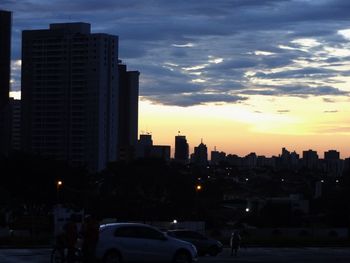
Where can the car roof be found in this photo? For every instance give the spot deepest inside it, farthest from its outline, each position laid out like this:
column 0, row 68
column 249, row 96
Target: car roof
column 121, row 224
column 182, row 230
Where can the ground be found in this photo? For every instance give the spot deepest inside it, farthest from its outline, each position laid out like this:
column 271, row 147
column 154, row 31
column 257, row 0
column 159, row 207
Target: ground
column 254, row 254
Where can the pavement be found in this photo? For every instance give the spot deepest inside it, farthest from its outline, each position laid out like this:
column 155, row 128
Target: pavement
column 245, row 255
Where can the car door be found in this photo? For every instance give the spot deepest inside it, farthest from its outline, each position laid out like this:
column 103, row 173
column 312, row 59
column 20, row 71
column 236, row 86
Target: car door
column 195, row 238
column 130, row 243
column 158, row 248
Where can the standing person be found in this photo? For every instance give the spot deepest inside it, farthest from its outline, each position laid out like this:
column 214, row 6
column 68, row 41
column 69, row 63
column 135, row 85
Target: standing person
column 235, row 242
column 71, row 237
column 90, row 233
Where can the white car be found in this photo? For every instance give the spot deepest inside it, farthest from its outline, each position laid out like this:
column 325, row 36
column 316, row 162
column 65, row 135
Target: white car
column 134, row 242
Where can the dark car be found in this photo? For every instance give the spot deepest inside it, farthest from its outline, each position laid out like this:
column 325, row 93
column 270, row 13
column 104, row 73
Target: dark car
column 204, row 245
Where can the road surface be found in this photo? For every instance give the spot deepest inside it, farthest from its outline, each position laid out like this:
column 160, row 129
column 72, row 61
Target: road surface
column 249, row 255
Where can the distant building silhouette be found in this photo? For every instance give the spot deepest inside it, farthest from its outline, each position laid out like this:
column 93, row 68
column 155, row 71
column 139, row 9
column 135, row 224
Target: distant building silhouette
column 217, row 157
column 288, row 160
column 332, row 155
column 143, row 147
column 200, row 155
column 5, row 68
column 333, row 165
column 160, row 152
column 71, row 95
column 128, row 112
column 146, row 149
column 310, row 159
column 250, row 160
column 181, row 149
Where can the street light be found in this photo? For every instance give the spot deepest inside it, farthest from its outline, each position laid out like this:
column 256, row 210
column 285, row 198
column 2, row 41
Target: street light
column 198, row 187
column 59, row 184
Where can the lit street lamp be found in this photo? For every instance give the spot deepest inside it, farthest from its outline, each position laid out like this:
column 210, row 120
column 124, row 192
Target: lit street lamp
column 59, row 184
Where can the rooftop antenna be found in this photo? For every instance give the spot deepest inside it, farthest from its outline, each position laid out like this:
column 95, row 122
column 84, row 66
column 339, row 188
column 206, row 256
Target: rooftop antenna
column 178, row 132
column 201, row 140
column 215, row 148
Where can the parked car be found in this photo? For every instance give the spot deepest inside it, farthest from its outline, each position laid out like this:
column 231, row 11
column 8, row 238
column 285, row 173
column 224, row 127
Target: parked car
column 134, row 242
column 204, row 244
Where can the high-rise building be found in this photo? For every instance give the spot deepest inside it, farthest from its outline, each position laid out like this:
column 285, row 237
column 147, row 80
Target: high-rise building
column 310, row 159
column 334, row 166
column 200, row 155
column 181, row 148
column 5, row 56
column 128, row 112
column 5, row 61
column 70, row 94
column 144, row 145
column 217, row 157
column 15, row 106
column 331, row 155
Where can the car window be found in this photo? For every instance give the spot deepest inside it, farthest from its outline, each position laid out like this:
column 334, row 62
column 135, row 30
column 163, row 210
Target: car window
column 150, row 233
column 126, row 231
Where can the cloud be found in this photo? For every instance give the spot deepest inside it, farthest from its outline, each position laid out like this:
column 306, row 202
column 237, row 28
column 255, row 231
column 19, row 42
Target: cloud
column 245, row 47
column 295, row 91
column 283, row 111
column 329, row 100
column 186, row 100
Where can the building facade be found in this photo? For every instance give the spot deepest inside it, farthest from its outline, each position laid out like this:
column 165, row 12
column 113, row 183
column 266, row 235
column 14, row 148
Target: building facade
column 5, row 55
column 200, row 155
column 70, row 94
column 181, row 149
column 5, row 65
column 128, row 112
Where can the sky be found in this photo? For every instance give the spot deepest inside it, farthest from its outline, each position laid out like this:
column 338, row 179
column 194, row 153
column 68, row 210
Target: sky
column 241, row 75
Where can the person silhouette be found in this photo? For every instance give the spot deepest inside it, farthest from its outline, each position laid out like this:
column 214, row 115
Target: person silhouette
column 90, row 233
column 235, row 242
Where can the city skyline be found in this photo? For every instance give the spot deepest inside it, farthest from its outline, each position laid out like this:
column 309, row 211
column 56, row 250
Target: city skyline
column 246, row 76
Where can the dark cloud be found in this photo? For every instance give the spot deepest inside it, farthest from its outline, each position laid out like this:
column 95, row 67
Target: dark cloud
column 283, row 111
column 299, row 73
column 295, row 91
column 186, row 100
column 230, row 30
column 328, row 100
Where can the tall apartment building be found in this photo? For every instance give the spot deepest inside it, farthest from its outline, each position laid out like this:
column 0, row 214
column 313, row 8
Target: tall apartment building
column 5, row 60
column 5, row 56
column 128, row 112
column 181, row 149
column 70, row 94
column 15, row 106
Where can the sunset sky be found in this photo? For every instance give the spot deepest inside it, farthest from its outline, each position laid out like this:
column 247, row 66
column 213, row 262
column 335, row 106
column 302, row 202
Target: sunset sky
column 243, row 75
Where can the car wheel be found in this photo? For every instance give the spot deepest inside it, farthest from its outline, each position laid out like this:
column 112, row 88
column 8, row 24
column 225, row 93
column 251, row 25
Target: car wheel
column 213, row 251
column 182, row 257
column 112, row 257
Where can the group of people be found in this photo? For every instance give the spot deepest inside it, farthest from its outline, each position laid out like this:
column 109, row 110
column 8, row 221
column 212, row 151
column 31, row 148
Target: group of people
column 88, row 233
